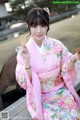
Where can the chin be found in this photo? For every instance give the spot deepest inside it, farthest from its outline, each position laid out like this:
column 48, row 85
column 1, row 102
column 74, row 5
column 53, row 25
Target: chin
column 39, row 38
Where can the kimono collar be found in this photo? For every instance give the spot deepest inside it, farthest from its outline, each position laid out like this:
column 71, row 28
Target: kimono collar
column 39, row 48
column 42, row 41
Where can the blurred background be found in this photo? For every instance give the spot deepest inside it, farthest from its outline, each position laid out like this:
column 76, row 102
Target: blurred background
column 64, row 25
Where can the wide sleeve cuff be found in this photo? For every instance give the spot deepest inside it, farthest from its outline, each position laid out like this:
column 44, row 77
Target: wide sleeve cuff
column 22, row 76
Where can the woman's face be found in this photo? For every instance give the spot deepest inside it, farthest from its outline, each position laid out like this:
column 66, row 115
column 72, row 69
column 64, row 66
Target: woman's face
column 38, row 32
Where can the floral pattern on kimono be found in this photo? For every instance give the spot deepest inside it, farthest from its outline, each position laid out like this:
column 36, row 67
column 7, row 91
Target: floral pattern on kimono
column 56, row 97
column 59, row 105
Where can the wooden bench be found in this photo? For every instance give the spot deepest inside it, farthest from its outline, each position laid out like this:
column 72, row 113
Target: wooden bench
column 18, row 110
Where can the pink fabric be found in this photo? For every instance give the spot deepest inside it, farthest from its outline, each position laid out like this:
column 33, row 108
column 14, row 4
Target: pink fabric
column 69, row 84
column 48, row 75
column 53, row 61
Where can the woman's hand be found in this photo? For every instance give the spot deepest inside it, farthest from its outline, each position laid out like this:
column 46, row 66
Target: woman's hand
column 25, row 54
column 76, row 56
column 73, row 60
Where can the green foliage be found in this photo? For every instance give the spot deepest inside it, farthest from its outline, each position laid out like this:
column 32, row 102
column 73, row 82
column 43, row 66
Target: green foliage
column 17, row 6
column 45, row 3
column 55, row 8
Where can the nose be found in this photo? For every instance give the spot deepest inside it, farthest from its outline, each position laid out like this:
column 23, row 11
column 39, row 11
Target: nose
column 38, row 29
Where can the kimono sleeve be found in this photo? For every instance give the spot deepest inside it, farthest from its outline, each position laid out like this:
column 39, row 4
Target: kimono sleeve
column 21, row 73
column 68, row 76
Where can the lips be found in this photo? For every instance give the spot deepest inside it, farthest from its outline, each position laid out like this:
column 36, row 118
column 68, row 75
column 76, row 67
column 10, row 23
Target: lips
column 38, row 35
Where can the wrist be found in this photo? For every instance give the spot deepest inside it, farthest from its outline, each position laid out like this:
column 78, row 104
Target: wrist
column 27, row 63
column 28, row 67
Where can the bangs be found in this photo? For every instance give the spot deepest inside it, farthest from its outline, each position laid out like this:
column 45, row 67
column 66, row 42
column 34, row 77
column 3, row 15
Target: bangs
column 37, row 20
column 37, row 16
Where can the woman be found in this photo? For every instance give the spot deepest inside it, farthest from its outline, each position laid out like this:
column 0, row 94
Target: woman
column 46, row 70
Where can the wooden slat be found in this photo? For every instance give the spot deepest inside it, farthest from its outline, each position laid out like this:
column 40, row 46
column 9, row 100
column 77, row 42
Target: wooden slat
column 17, row 108
column 24, row 115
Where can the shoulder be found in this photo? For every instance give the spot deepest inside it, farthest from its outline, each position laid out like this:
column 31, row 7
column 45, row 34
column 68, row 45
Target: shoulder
column 58, row 46
column 56, row 43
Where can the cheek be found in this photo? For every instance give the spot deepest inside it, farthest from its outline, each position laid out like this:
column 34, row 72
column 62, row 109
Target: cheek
column 45, row 30
column 32, row 31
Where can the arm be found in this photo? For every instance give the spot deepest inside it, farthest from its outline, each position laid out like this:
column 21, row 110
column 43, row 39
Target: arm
column 28, row 70
column 22, row 75
column 73, row 60
column 26, row 57
column 68, row 67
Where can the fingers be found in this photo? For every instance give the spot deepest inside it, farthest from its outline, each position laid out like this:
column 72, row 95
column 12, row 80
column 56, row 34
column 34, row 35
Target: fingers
column 78, row 53
column 78, row 50
column 23, row 49
column 77, row 56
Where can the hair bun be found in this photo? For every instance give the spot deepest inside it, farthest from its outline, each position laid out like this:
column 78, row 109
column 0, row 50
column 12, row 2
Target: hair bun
column 47, row 10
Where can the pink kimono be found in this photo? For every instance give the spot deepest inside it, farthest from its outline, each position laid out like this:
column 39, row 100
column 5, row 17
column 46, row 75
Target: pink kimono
column 51, row 95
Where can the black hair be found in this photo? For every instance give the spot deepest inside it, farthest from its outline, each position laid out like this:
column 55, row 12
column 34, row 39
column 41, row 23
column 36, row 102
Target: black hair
column 37, row 16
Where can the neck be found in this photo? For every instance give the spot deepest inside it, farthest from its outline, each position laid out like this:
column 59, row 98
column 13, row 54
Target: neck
column 39, row 43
